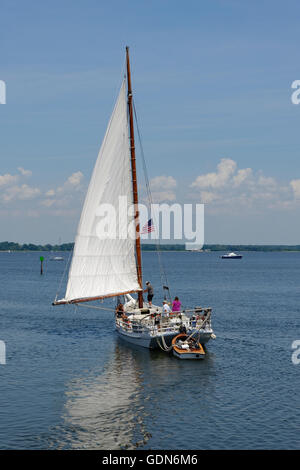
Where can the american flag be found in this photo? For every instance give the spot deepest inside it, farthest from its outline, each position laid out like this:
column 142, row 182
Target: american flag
column 148, row 227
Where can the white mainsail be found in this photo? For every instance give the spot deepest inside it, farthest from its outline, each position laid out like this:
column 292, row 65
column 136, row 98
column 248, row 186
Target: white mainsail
column 103, row 267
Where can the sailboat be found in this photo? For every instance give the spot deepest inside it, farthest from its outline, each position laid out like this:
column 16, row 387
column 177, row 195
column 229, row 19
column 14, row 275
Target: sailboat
column 104, row 266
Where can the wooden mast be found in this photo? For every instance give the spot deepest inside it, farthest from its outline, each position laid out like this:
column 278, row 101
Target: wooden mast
column 134, row 183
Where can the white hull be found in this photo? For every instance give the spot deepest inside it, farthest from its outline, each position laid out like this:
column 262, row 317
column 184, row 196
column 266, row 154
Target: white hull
column 144, row 340
column 231, row 256
column 189, row 356
column 150, row 342
column 139, row 327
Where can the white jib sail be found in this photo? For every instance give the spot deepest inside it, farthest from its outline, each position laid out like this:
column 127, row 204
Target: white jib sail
column 106, row 266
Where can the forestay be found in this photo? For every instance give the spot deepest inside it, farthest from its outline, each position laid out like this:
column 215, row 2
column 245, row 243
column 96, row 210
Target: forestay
column 105, row 266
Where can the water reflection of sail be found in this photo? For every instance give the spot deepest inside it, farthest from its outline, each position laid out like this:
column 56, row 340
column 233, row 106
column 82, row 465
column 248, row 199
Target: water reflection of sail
column 136, row 393
column 106, row 412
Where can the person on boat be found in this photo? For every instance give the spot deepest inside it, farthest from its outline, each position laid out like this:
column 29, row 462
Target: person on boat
column 156, row 319
column 120, row 310
column 176, row 305
column 150, row 293
column 166, row 309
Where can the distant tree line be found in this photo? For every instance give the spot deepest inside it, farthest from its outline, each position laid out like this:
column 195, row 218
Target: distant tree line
column 12, row 246
column 162, row 247
column 252, row 247
column 151, row 247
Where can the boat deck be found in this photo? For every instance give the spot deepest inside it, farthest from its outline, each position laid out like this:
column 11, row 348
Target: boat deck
column 148, row 326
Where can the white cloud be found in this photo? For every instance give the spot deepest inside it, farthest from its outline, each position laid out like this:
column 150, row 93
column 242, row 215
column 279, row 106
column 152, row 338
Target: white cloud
column 50, row 193
column 208, row 196
column 75, row 178
column 22, row 192
column 162, row 188
column 163, row 182
column 8, row 179
column 11, row 191
column 267, row 181
column 33, row 201
column 241, row 176
column 230, row 187
column 66, row 195
column 295, row 184
column 24, row 172
column 72, row 183
column 163, row 196
column 48, row 202
column 219, row 179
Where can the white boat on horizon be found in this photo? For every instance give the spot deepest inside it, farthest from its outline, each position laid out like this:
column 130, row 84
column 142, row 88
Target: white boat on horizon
column 231, row 255
column 103, row 268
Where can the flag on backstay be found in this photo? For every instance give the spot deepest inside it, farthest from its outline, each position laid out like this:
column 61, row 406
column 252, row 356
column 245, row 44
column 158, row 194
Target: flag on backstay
column 148, row 227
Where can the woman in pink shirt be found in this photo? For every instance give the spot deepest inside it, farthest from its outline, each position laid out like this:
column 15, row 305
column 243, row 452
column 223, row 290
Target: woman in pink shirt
column 176, row 305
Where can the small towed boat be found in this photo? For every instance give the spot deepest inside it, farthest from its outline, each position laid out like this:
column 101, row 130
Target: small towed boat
column 186, row 347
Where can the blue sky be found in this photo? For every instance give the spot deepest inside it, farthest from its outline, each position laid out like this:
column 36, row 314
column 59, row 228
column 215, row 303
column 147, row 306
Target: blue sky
column 212, row 82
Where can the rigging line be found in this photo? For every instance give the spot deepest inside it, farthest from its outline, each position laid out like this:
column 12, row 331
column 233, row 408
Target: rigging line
column 199, row 327
column 167, row 348
column 96, row 307
column 163, row 346
column 163, row 275
column 159, row 344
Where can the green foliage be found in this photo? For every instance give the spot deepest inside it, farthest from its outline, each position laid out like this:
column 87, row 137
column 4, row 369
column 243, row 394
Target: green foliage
column 12, row 246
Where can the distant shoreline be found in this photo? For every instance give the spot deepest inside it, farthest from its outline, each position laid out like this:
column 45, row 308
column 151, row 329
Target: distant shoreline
column 16, row 247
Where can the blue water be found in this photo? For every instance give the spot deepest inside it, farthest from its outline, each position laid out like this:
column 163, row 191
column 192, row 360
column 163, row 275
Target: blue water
column 70, row 383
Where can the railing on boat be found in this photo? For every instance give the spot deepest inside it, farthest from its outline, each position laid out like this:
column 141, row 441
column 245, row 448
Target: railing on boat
column 132, row 326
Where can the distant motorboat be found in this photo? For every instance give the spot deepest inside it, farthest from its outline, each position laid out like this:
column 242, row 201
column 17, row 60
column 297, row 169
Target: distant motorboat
column 57, row 258
column 231, row 255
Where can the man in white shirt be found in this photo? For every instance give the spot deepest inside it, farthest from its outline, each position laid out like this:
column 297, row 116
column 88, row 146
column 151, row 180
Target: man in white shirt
column 166, row 309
